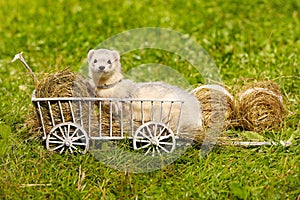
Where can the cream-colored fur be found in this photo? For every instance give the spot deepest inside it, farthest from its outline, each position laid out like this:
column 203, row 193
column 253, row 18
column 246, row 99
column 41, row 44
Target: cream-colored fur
column 107, row 76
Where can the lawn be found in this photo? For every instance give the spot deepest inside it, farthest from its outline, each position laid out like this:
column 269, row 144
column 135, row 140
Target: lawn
column 247, row 40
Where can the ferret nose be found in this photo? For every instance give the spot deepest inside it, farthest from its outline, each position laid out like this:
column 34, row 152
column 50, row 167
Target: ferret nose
column 102, row 68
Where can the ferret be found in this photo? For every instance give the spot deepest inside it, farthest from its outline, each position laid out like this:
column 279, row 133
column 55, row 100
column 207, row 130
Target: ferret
column 107, row 76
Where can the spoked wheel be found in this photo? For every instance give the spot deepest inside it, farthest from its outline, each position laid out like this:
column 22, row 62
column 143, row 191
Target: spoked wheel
column 155, row 138
column 67, row 137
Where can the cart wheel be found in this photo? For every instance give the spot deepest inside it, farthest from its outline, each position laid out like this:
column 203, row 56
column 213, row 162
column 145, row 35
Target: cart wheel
column 67, row 136
column 154, row 138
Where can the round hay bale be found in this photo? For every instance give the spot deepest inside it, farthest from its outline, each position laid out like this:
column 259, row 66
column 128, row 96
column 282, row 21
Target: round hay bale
column 70, row 84
column 217, row 105
column 260, row 106
column 61, row 84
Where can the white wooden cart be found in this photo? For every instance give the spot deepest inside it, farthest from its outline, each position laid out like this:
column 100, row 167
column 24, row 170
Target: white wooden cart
column 97, row 119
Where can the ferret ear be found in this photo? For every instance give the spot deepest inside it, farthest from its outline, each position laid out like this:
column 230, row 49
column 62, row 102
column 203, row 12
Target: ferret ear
column 90, row 54
column 116, row 55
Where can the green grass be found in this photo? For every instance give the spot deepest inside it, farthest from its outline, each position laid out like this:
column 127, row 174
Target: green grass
column 248, row 40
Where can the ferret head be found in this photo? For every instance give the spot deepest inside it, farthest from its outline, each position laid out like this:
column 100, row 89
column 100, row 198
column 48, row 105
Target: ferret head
column 103, row 62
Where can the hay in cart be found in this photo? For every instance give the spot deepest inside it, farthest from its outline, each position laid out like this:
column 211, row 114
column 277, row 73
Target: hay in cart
column 87, row 114
column 62, row 84
column 260, row 106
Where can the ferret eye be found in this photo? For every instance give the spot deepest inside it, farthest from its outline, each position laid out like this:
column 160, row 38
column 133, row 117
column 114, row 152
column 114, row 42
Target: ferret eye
column 95, row 61
column 109, row 62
